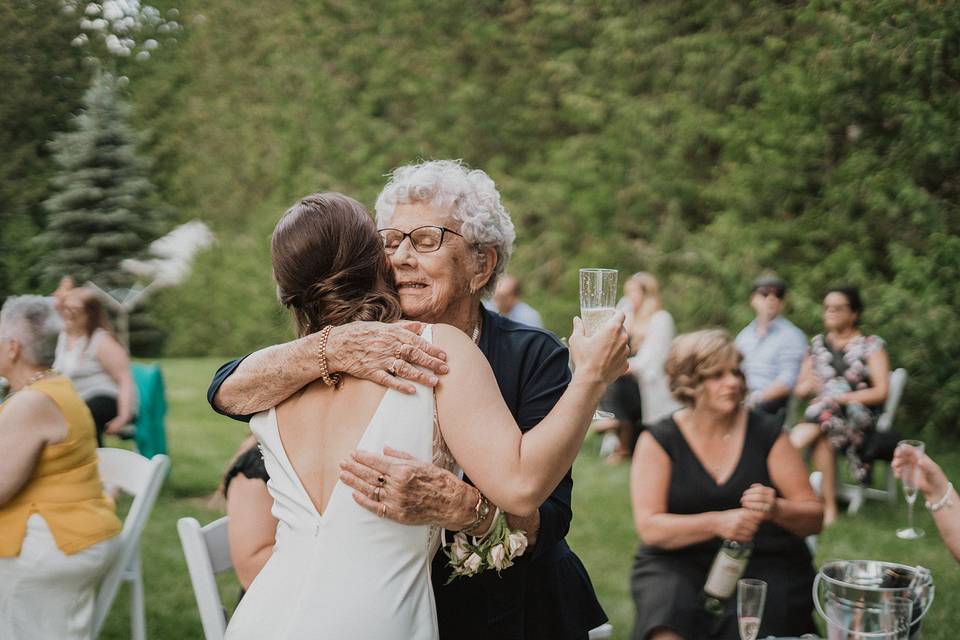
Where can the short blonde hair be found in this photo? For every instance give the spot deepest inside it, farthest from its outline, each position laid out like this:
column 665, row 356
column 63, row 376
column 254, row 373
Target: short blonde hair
column 696, row 356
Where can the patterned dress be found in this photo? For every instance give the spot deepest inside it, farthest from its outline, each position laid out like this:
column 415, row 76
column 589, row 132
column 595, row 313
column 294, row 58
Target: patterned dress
column 843, row 371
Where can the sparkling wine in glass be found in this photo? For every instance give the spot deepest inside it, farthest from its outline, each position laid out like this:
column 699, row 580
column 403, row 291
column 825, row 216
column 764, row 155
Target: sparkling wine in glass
column 751, row 596
column 598, row 297
column 910, row 477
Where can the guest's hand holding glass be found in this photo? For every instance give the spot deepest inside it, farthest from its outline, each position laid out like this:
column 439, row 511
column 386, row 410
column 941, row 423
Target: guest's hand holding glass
column 929, row 477
column 910, row 476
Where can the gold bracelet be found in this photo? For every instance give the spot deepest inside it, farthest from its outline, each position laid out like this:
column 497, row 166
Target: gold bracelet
column 481, row 511
column 328, row 379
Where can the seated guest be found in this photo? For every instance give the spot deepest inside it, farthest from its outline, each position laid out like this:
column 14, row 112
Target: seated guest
column 96, row 363
column 506, row 301
column 715, row 471
column 252, row 528
column 642, row 397
column 941, row 498
column 57, row 528
column 772, row 348
column 847, row 373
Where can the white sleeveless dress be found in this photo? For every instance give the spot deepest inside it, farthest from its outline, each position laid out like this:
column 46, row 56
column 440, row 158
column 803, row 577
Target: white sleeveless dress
column 346, row 574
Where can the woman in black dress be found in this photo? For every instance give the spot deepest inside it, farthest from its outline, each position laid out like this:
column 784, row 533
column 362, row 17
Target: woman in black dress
column 714, row 471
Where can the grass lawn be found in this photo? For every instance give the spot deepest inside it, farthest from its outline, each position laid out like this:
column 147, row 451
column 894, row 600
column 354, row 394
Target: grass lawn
column 602, row 533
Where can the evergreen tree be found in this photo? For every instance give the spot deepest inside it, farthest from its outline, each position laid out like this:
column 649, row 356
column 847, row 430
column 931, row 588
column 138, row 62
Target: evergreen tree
column 104, row 208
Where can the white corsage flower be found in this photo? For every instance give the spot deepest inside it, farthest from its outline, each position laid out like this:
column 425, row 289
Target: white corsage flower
column 518, row 544
column 472, row 564
column 499, row 559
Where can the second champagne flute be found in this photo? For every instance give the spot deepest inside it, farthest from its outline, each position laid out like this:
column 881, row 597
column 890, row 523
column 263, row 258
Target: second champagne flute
column 598, row 297
column 751, row 597
column 909, row 478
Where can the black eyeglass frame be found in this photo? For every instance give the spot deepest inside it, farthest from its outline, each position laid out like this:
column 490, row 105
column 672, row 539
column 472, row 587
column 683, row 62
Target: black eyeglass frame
column 409, row 234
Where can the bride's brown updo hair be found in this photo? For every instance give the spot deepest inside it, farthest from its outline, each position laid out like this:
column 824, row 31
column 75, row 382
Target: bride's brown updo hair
column 329, row 264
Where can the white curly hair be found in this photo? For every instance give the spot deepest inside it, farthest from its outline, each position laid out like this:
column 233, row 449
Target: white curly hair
column 31, row 321
column 469, row 195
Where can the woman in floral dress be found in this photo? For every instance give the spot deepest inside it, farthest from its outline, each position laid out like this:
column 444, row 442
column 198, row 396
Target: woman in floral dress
column 846, row 373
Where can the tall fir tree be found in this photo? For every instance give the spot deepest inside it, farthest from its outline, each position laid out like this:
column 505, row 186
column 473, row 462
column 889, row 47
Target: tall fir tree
column 104, row 208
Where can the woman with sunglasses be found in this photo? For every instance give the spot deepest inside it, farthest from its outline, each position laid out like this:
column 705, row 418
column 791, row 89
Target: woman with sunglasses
column 96, row 363
column 847, row 374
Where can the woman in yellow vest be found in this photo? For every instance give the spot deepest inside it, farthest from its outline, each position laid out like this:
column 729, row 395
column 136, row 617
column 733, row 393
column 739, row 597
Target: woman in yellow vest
column 57, row 527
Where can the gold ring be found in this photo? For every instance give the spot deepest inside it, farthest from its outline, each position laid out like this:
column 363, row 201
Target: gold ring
column 397, row 354
column 381, row 479
column 376, row 494
column 383, row 510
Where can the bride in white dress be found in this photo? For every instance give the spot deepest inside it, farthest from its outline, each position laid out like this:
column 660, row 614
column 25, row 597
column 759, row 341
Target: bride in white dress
column 338, row 571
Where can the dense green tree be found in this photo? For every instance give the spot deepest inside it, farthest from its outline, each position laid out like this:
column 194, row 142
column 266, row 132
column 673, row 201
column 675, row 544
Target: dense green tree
column 703, row 140
column 104, row 208
column 43, row 79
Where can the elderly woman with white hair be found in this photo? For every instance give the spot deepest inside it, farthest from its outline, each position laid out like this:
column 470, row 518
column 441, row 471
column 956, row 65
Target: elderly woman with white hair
column 57, row 527
column 447, row 237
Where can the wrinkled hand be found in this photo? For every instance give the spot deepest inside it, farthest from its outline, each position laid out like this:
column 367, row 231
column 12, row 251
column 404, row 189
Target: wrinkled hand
column 605, row 353
column 929, row 476
column 761, row 499
column 738, row 524
column 369, row 350
column 413, row 491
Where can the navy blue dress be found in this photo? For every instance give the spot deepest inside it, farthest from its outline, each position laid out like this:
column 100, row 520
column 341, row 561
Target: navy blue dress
column 667, row 584
column 547, row 594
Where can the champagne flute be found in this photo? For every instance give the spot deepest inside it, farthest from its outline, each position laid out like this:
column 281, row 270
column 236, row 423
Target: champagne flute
column 598, row 297
column 751, row 596
column 910, row 478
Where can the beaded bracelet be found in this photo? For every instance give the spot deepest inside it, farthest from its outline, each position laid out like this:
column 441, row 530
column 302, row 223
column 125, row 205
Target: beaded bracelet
column 328, row 379
column 942, row 502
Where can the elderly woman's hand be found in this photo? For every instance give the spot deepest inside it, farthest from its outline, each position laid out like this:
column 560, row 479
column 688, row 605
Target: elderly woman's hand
column 603, row 354
column 760, row 499
column 737, row 524
column 410, row 491
column 385, row 354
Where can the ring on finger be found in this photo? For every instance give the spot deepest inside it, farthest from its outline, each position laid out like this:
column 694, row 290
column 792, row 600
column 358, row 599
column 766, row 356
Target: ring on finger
column 383, row 510
column 381, row 479
column 376, row 493
column 399, row 352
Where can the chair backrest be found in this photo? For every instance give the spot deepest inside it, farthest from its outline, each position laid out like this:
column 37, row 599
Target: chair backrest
column 142, row 479
column 898, row 379
column 207, row 551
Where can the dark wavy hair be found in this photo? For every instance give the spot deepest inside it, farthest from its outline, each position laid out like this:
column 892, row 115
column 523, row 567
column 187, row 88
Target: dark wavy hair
column 852, row 294
column 329, row 264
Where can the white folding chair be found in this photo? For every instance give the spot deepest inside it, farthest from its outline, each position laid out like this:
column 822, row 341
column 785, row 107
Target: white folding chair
column 207, row 551
column 602, row 632
column 856, row 494
column 141, row 478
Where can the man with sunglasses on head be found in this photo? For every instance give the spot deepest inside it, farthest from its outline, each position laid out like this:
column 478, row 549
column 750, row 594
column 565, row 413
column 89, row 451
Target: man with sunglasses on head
column 772, row 348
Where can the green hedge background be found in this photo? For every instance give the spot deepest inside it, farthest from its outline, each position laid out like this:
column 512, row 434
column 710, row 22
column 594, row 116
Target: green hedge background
column 703, row 140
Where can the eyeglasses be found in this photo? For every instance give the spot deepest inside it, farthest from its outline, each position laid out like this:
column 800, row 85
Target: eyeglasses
column 426, row 239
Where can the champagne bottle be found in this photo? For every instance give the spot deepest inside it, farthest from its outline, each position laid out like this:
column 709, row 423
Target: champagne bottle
column 727, row 568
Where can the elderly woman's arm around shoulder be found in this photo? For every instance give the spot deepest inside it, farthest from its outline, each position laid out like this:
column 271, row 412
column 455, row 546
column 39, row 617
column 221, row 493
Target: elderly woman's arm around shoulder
column 649, row 486
column 791, row 502
column 29, row 422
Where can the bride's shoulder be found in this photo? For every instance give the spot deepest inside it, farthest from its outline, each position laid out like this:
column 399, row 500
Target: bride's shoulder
column 447, row 335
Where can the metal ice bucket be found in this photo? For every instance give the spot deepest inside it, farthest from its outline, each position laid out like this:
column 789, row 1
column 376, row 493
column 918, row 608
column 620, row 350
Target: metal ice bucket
column 853, row 598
